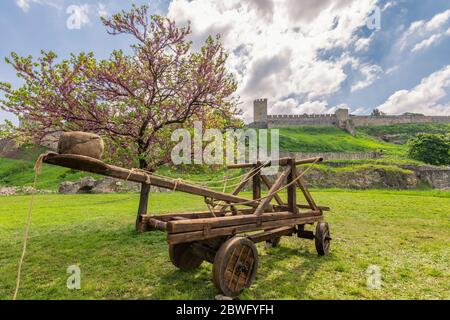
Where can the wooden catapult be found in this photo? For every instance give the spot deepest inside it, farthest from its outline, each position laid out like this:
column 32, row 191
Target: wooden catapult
column 226, row 234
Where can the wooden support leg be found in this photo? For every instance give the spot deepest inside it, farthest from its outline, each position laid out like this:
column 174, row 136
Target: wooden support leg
column 257, row 185
column 301, row 184
column 143, row 204
column 292, row 189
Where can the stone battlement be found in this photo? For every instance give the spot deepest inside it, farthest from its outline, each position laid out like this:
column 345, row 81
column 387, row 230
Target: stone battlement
column 341, row 119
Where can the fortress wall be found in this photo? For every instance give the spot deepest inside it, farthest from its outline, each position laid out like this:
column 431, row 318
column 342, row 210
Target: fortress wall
column 298, row 120
column 361, row 121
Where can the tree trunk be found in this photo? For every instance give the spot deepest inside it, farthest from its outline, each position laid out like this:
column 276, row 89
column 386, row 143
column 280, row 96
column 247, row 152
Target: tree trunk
column 143, row 200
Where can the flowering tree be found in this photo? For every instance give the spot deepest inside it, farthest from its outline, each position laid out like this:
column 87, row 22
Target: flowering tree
column 134, row 101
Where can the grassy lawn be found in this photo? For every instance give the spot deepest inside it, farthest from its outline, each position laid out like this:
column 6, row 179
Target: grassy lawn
column 405, row 233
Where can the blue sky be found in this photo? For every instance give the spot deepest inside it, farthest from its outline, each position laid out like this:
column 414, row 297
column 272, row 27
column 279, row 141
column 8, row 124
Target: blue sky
column 305, row 56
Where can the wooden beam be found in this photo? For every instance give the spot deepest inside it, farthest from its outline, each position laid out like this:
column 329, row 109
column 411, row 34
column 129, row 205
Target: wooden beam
column 268, row 184
column 277, row 184
column 245, row 179
column 256, row 183
column 301, row 184
column 180, row 226
column 174, row 238
column 88, row 164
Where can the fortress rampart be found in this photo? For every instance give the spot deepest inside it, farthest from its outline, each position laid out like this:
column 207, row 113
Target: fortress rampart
column 341, row 119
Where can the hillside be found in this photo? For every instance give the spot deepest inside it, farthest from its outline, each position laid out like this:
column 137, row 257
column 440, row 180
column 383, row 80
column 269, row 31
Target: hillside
column 300, row 139
column 331, row 139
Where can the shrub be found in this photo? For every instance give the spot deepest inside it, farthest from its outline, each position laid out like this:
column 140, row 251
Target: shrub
column 430, row 148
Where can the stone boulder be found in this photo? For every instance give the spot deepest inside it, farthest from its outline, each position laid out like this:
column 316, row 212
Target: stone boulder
column 111, row 185
column 85, row 185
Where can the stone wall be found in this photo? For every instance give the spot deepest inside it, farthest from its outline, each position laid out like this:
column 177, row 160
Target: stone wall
column 340, row 119
column 362, row 121
column 274, row 121
column 332, row 155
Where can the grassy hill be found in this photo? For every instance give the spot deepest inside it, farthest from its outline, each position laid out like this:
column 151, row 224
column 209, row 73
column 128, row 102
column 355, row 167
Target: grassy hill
column 299, row 139
column 20, row 173
column 331, row 139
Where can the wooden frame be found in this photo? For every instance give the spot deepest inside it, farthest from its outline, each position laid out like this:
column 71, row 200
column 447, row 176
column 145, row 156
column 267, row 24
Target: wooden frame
column 197, row 236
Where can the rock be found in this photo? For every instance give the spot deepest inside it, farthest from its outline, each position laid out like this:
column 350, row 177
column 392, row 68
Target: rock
column 85, row 185
column 8, row 191
column 111, row 185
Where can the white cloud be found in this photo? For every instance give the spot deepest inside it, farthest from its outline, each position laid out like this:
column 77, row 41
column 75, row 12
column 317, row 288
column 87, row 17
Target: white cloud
column 422, row 34
column 275, row 46
column 424, row 98
column 370, row 74
column 26, row 4
column 434, row 39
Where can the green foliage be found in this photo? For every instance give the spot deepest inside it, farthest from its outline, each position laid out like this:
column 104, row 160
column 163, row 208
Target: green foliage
column 405, row 233
column 430, row 148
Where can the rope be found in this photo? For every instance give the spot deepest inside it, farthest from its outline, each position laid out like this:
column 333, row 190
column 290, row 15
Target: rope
column 276, row 191
column 37, row 171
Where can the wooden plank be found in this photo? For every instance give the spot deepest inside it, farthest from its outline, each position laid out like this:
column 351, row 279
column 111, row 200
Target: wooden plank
column 281, row 162
column 174, row 238
column 277, row 184
column 212, row 223
column 88, row 164
column 270, row 234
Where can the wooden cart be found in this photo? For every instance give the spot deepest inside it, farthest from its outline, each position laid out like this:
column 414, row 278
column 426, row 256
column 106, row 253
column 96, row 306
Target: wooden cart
column 226, row 234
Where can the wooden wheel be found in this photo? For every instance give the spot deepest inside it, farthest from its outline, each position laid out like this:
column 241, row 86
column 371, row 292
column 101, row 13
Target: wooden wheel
column 235, row 266
column 183, row 257
column 322, row 238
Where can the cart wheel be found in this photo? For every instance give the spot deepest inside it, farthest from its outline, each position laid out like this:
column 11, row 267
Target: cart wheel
column 322, row 238
column 273, row 243
column 183, row 257
column 235, row 266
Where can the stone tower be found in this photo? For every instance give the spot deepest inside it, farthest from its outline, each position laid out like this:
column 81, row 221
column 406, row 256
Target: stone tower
column 260, row 111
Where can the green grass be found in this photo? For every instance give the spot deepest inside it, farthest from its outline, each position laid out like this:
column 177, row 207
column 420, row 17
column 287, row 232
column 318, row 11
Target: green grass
column 20, row 173
column 331, row 139
column 405, row 233
column 407, row 129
